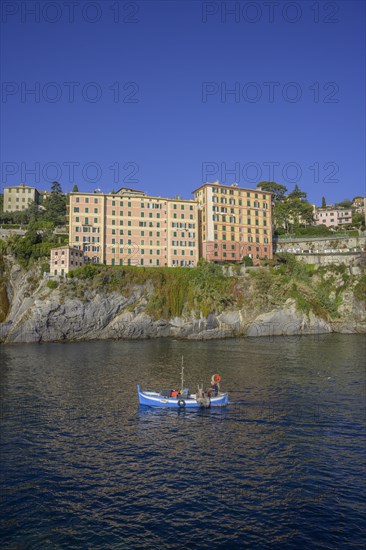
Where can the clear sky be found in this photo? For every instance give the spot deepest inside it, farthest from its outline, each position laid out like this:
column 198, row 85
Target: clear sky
column 137, row 93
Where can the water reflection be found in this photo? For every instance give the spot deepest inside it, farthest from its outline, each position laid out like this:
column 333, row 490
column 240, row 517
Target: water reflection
column 86, row 466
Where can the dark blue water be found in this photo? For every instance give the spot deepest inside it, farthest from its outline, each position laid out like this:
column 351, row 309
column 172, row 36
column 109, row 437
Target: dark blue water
column 83, row 467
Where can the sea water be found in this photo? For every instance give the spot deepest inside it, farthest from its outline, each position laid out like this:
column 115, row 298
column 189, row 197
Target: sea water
column 83, row 466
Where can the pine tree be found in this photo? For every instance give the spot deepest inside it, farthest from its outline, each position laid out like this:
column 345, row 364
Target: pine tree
column 277, row 189
column 56, row 187
column 297, row 193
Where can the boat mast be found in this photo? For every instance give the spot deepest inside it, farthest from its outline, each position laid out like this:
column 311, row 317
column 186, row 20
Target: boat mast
column 182, row 375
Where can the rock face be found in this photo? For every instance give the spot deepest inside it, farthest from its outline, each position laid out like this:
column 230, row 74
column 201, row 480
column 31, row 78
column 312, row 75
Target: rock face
column 44, row 315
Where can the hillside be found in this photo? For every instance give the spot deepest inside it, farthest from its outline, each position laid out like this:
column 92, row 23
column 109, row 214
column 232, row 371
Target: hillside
column 104, row 302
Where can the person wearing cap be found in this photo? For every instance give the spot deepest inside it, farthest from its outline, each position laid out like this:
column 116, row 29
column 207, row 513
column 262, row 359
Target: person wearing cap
column 215, row 385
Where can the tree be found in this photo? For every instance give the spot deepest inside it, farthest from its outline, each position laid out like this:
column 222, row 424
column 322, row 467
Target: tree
column 75, row 189
column 297, row 193
column 291, row 213
column 56, row 187
column 281, row 215
column 1, row 202
column 277, row 189
column 301, row 212
column 324, row 202
column 358, row 219
column 346, row 203
column 55, row 208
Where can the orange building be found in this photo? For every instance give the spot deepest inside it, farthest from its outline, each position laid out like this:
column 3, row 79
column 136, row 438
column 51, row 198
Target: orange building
column 131, row 228
column 234, row 222
column 64, row 259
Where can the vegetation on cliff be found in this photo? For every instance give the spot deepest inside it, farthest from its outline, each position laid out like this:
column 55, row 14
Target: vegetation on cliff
column 4, row 301
column 35, row 245
column 172, row 292
column 175, row 292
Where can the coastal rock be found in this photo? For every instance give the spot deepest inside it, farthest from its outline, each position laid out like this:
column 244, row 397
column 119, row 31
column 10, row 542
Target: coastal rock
column 287, row 322
column 36, row 313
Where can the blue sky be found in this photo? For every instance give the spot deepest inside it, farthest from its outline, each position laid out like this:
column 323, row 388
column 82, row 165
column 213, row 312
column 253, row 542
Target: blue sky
column 142, row 97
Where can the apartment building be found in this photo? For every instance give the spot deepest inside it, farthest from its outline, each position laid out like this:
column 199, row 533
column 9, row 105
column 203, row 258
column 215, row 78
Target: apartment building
column 19, row 197
column 359, row 204
column 43, row 196
column 333, row 217
column 130, row 227
column 234, row 222
column 64, row 259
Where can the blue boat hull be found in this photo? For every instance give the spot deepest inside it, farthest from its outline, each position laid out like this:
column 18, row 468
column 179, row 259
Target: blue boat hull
column 153, row 399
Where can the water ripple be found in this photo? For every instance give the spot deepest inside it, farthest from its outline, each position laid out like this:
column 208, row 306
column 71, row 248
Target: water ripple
column 283, row 465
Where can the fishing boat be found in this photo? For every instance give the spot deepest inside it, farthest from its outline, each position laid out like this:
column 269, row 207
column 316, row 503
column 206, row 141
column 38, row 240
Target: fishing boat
column 183, row 398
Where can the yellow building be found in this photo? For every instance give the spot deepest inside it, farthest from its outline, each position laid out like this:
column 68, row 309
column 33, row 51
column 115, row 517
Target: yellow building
column 131, row 228
column 19, row 197
column 234, row 222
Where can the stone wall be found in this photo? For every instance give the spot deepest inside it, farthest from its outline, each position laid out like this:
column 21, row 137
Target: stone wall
column 319, row 245
column 351, row 259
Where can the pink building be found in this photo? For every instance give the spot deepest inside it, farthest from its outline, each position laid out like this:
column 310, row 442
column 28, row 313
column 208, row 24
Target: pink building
column 332, row 217
column 64, row 259
column 131, row 228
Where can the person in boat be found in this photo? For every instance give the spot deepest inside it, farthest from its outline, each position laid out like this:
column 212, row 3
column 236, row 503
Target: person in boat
column 215, row 385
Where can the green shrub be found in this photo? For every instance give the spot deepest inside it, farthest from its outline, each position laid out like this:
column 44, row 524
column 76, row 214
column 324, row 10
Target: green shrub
column 10, row 225
column 52, row 284
column 312, row 231
column 247, row 261
column 42, row 225
column 87, row 271
column 360, row 289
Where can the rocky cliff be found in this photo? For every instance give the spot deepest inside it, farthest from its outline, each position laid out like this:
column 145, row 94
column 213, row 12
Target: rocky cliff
column 31, row 311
